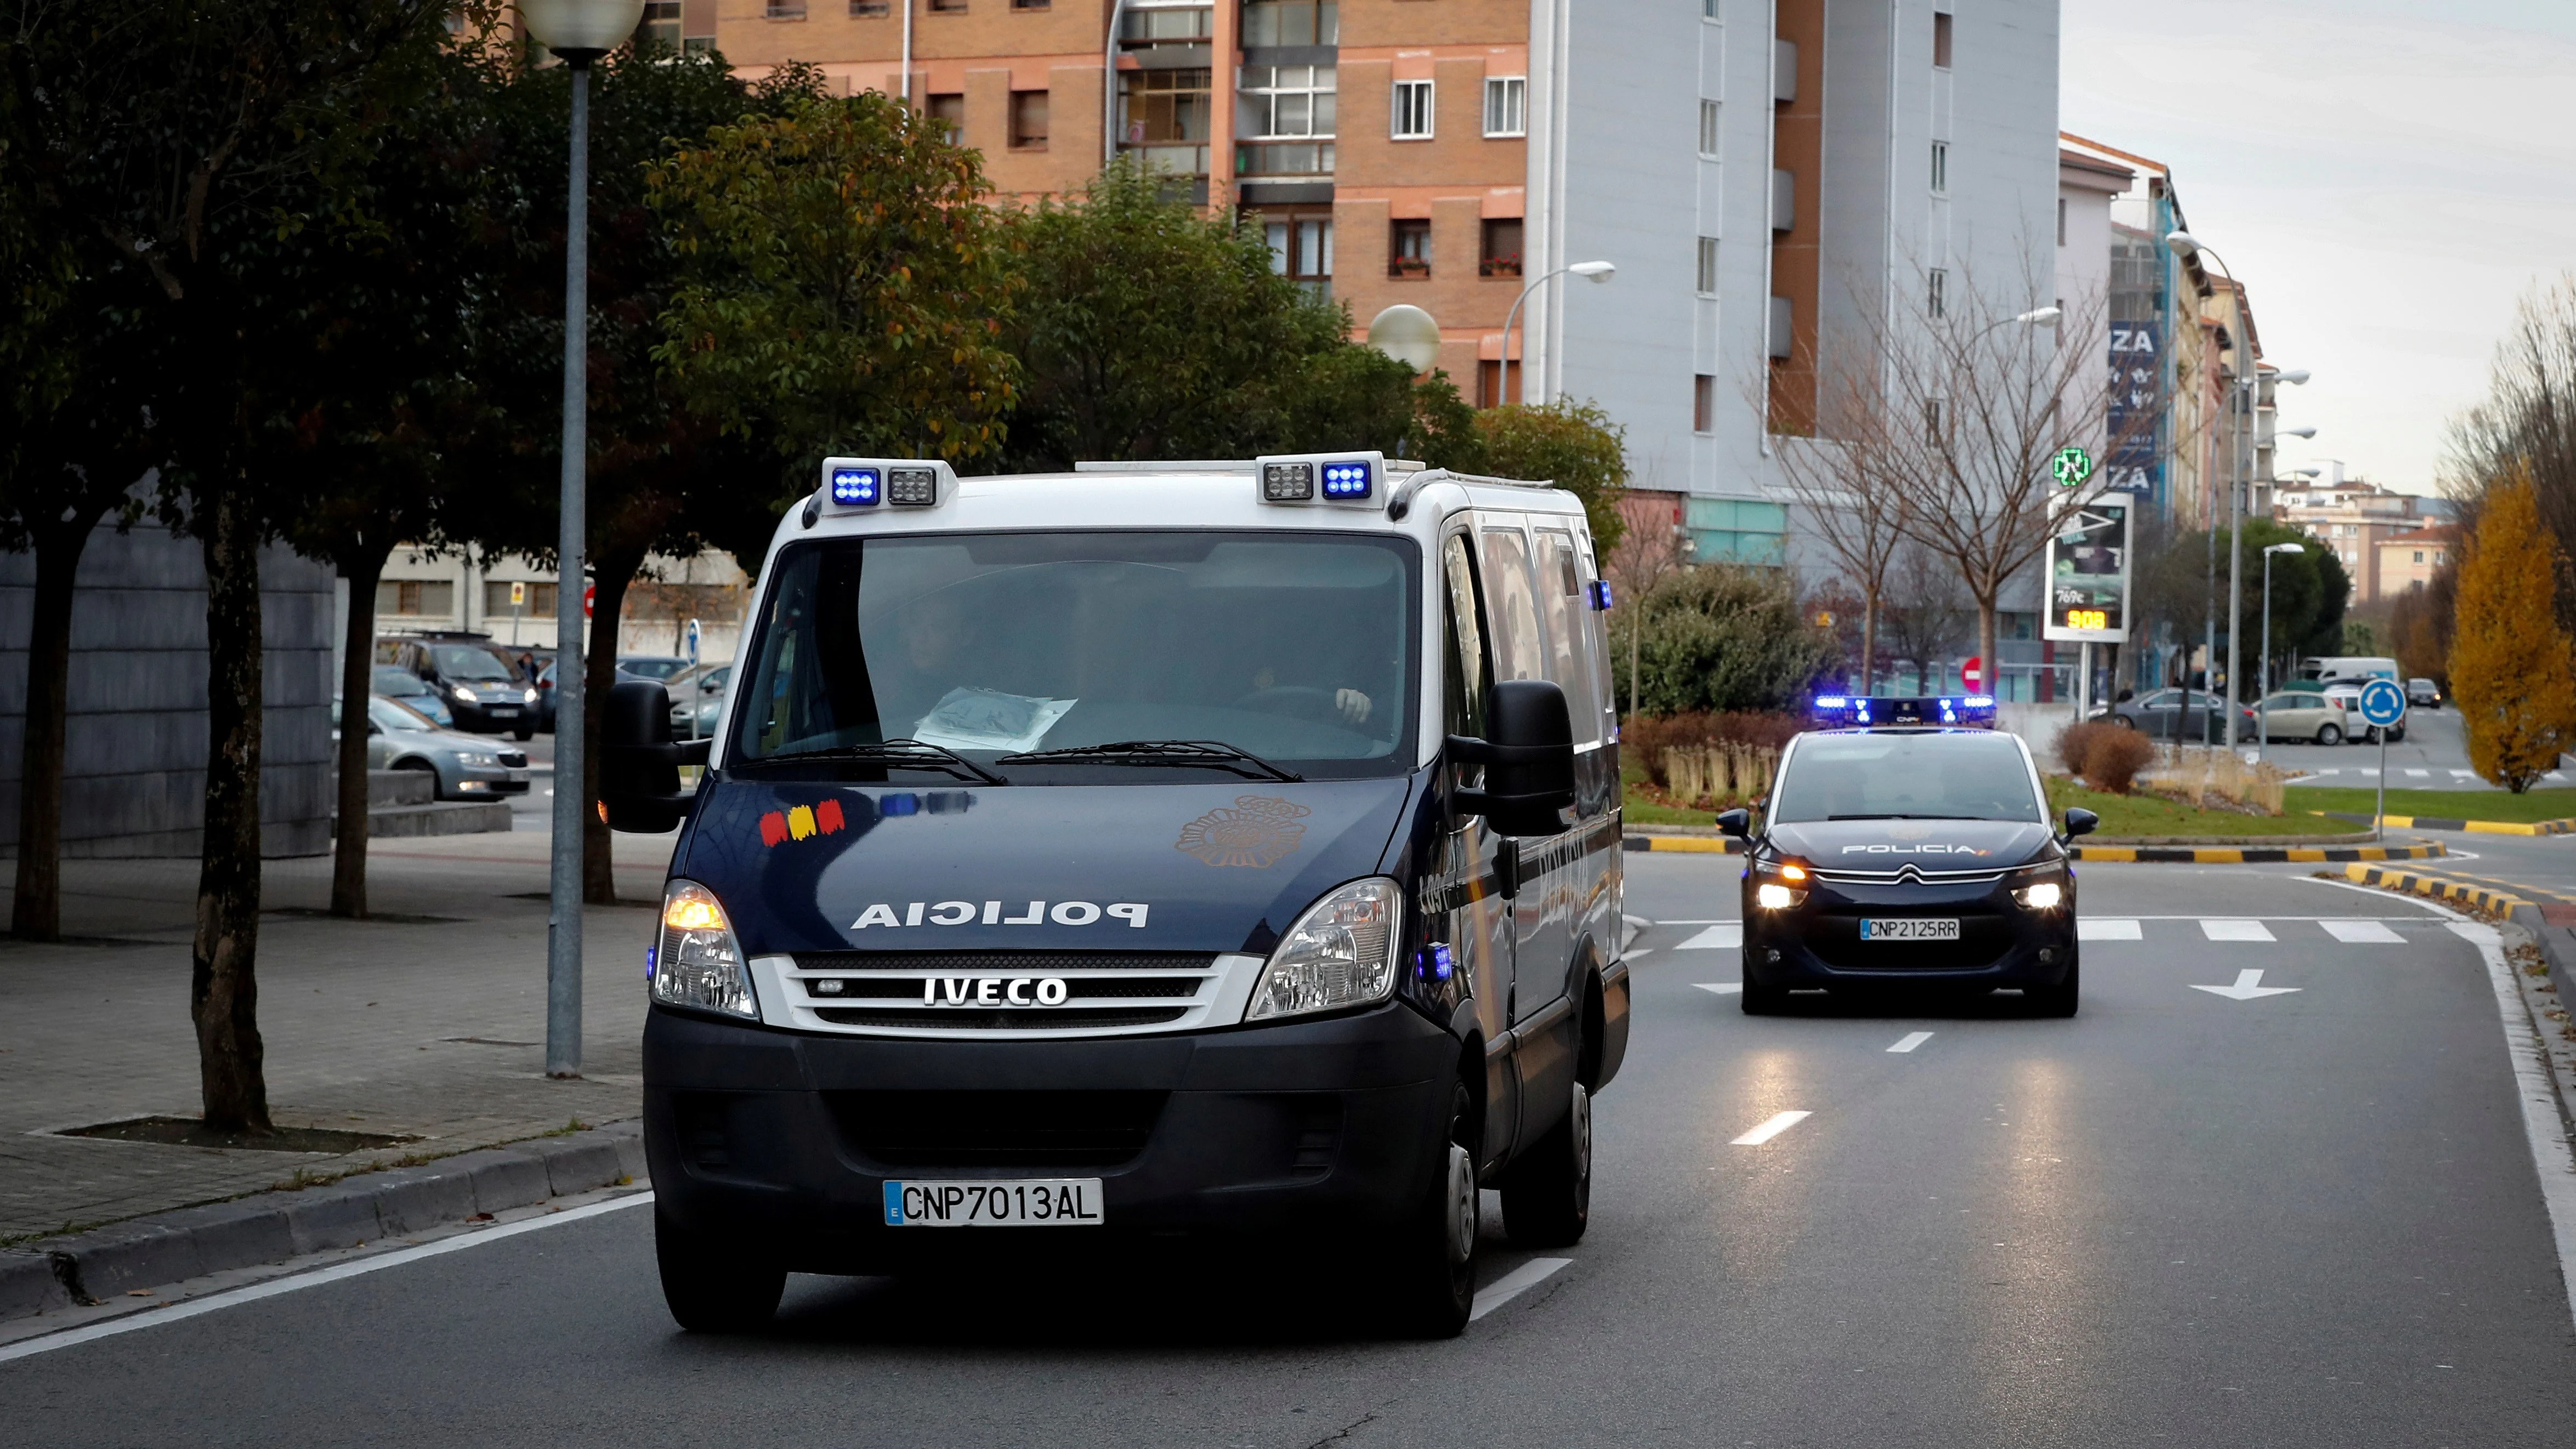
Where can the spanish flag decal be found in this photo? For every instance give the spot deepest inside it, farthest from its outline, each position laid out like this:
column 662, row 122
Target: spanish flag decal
column 801, row 822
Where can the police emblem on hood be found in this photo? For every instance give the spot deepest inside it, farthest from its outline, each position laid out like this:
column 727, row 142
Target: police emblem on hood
column 1256, row 831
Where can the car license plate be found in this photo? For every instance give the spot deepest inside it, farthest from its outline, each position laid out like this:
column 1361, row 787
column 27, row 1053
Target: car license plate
column 501, row 711
column 1908, row 928
column 1042, row 1202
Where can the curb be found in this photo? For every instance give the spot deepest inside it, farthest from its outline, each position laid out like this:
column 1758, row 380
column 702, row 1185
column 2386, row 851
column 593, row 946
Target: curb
column 1695, row 844
column 268, row 1227
column 2424, row 885
column 2546, row 1003
column 2252, row 854
column 2474, row 827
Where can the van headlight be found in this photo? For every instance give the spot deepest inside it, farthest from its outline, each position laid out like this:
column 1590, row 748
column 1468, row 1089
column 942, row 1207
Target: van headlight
column 698, row 963
column 1340, row 953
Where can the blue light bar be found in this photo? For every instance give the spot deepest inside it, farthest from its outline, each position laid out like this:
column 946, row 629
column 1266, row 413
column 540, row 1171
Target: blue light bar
column 856, row 487
column 1860, row 711
column 1346, row 480
column 1601, row 595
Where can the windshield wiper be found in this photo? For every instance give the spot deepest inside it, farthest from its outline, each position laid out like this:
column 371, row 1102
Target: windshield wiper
column 909, row 754
column 1212, row 754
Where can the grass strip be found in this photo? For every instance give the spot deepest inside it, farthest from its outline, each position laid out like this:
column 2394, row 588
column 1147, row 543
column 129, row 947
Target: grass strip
column 2524, row 809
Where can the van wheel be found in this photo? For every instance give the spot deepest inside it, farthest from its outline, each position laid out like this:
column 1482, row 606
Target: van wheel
column 1431, row 1282
column 2329, row 735
column 714, row 1287
column 1547, row 1198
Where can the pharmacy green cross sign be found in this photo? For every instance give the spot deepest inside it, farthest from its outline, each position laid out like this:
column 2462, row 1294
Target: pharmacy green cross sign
column 2072, row 466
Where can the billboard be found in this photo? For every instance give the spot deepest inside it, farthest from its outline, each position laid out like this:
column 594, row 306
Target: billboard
column 2088, row 573
column 2135, row 464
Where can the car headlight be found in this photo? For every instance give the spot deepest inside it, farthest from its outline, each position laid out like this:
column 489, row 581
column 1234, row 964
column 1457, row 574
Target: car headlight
column 1340, row 953
column 529, row 695
column 465, row 694
column 698, row 962
column 2041, row 895
column 1778, row 884
column 479, row 761
column 1772, row 896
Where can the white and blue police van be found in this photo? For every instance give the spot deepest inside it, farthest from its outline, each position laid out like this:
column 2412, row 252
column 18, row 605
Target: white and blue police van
column 1146, row 859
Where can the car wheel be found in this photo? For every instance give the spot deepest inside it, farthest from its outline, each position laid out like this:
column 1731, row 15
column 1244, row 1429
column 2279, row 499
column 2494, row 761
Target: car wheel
column 714, row 1286
column 2058, row 1000
column 1431, row 1283
column 1547, row 1197
column 2329, row 734
column 1760, row 1000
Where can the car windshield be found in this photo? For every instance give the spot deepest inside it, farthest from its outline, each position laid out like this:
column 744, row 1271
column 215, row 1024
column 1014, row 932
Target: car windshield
column 1963, row 776
column 464, row 661
column 395, row 680
column 1296, row 648
column 387, row 715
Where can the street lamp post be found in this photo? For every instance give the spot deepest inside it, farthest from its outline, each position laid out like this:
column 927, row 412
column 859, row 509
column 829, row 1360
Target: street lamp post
column 1597, row 271
column 2263, row 698
column 578, row 32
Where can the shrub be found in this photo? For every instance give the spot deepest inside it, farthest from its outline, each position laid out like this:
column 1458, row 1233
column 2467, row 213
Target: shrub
column 1646, row 738
column 2074, row 740
column 1719, row 637
column 2114, row 756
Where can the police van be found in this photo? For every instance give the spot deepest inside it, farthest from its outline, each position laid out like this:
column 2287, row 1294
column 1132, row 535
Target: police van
column 1210, row 854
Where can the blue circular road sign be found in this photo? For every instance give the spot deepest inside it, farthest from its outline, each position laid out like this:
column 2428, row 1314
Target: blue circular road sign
column 2382, row 702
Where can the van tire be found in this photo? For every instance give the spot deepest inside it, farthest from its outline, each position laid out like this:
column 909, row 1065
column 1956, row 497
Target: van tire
column 1430, row 1282
column 1547, row 1196
column 712, row 1286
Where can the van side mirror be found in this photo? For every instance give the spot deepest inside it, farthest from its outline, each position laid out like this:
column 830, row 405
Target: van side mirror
column 639, row 766
column 2080, row 821
column 1737, row 823
column 1528, row 756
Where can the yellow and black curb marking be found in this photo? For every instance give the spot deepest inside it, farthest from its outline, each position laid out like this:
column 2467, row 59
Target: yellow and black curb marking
column 2474, row 827
column 1697, row 844
column 2253, row 854
column 2481, row 897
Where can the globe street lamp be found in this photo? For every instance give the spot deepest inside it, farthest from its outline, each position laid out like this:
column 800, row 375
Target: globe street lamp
column 578, row 32
column 1597, row 271
column 2263, row 706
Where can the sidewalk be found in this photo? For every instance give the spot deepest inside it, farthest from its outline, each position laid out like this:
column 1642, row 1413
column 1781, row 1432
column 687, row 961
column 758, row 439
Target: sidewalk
column 427, row 1023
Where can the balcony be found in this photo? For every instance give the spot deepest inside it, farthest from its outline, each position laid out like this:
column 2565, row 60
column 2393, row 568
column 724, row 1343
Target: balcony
column 1291, row 159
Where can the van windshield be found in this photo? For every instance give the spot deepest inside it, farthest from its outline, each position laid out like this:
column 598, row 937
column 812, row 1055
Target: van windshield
column 1295, row 648
column 1949, row 776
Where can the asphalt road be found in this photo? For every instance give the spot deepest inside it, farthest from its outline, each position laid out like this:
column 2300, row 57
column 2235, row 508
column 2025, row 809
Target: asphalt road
column 2309, row 1218
column 2433, row 756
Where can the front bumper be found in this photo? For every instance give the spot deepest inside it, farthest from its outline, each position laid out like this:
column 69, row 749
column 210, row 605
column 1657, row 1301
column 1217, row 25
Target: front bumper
column 1817, row 942
column 1319, row 1129
column 492, row 717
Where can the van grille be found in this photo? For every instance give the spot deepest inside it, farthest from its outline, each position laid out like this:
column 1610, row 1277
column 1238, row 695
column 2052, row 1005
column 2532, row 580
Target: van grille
column 1012, row 1018
column 944, row 993
column 1003, row 963
column 997, row 1129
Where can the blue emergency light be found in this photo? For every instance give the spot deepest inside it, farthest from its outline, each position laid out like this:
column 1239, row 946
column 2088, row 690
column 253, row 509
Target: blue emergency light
column 1601, row 595
column 1347, row 480
column 856, row 487
column 1861, row 711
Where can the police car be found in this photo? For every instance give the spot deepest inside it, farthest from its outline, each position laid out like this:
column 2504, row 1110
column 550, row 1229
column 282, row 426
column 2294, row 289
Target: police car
column 1907, row 842
column 1213, row 855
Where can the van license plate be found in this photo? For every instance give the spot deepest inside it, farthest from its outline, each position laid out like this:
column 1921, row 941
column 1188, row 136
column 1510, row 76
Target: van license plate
column 1041, row 1202
column 1908, row 928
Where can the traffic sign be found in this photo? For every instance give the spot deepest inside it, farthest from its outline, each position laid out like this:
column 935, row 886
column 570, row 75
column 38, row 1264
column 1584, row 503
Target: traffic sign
column 589, row 593
column 2382, row 702
column 2071, row 467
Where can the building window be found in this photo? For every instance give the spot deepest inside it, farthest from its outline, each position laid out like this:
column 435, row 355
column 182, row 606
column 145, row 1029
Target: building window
column 1029, row 4
column 784, row 10
column 1941, row 40
column 1932, row 421
column 1288, row 101
column 1028, row 120
column 1703, row 403
column 1708, row 129
column 662, row 23
column 1502, row 248
column 1936, row 296
column 950, row 112
column 1412, row 114
column 1147, row 26
column 870, row 9
column 2061, row 221
column 1708, row 10
column 418, row 598
column 1940, row 166
column 2441, row 556
column 1295, row 22
column 1408, row 249
column 1164, row 113
column 539, row 603
column 1707, row 266
column 1506, row 105
column 947, row 7
column 2419, row 555
column 1301, row 247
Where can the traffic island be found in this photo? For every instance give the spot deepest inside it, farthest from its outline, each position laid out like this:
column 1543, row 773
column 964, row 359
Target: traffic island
column 1687, row 844
column 2484, row 898
column 2177, row 854
column 2472, row 827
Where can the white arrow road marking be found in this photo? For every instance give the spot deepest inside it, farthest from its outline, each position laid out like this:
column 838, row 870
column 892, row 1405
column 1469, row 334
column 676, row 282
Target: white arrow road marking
column 2363, row 933
column 1910, row 1041
column 1771, row 1129
column 1726, row 935
column 2249, row 984
column 1515, row 1283
column 2090, row 928
column 1722, row 988
column 2235, row 931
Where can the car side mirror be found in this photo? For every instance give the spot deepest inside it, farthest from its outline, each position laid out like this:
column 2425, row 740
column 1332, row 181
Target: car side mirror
column 639, row 766
column 1528, row 755
column 1737, row 823
column 2080, row 821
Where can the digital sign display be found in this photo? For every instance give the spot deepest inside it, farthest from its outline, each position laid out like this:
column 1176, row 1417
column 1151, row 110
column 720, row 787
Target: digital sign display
column 2088, row 574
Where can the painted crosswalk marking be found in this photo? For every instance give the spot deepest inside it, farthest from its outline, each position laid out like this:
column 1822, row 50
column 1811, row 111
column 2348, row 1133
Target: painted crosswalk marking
column 1720, row 988
column 1728, row 935
column 2235, row 931
column 2420, row 774
column 2100, row 928
column 2464, row 774
column 2363, row 933
column 1910, row 1041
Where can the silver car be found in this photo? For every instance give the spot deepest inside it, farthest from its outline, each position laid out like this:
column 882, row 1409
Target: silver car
column 2305, row 714
column 467, row 767
column 697, row 700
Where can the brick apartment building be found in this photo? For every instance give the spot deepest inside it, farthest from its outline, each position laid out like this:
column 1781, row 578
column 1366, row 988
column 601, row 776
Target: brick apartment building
column 2373, row 530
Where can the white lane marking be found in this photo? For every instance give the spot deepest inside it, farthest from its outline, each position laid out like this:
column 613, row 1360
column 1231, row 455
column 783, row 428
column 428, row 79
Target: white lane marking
column 315, row 1279
column 2421, row 774
column 2249, row 986
column 2363, row 933
column 1725, row 935
column 2371, row 772
column 2105, row 928
column 2331, row 770
column 1515, row 1283
column 1910, row 1041
column 1773, row 1128
column 2552, row 1155
column 1711, row 921
column 1721, row 988
column 1634, row 952
column 2463, row 774
column 2235, row 930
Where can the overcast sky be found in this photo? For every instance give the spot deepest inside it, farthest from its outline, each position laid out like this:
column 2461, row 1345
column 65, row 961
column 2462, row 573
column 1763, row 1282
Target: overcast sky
column 2388, row 177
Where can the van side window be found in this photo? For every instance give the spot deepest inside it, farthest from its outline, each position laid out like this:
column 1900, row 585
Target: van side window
column 1464, row 676
column 1520, row 651
column 1569, row 664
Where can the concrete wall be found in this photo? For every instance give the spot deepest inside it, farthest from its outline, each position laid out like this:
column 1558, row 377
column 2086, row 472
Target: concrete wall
column 135, row 757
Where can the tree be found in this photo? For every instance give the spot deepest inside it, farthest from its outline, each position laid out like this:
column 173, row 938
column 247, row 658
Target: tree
column 1650, row 549
column 2524, row 433
column 1856, row 511
column 1927, row 618
column 1727, row 637
column 2513, row 667
column 1571, row 444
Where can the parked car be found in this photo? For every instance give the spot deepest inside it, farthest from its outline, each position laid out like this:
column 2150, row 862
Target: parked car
column 653, row 666
column 2160, row 715
column 484, row 689
column 2347, row 692
column 2424, row 692
column 545, row 692
column 401, row 738
column 397, row 683
column 2304, row 714
column 697, row 700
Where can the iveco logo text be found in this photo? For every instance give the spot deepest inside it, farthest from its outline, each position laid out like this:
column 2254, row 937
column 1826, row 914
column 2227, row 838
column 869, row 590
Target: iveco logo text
column 992, row 991
column 960, row 913
column 1914, row 849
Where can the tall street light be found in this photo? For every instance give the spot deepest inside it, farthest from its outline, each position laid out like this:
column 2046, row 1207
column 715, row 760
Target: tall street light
column 2263, row 702
column 1597, row 271
column 578, row 32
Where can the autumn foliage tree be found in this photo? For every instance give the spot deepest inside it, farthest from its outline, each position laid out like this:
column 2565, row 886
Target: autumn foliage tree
column 2511, row 669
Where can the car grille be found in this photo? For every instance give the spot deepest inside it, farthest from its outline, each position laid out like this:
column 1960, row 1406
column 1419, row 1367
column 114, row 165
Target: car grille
column 941, row 993
column 997, row 1129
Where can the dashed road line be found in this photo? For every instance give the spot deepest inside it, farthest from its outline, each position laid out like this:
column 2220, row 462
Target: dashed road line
column 2236, row 930
column 2363, row 933
column 1720, row 988
column 1910, row 1041
column 1778, row 1124
column 2105, row 928
column 1724, row 935
column 1515, row 1283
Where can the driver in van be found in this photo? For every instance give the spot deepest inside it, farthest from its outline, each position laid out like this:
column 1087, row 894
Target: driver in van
column 1353, row 705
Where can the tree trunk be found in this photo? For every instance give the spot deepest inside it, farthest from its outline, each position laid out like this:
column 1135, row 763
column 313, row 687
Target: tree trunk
column 36, row 911
column 1987, row 678
column 223, row 986
column 1869, row 641
column 610, row 575
column 357, row 686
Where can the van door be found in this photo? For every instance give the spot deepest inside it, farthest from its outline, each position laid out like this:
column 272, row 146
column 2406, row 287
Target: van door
column 1475, row 921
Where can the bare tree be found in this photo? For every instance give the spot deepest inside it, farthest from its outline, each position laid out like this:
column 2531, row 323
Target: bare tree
column 2529, row 420
column 1856, row 510
column 1653, row 549
column 1927, row 615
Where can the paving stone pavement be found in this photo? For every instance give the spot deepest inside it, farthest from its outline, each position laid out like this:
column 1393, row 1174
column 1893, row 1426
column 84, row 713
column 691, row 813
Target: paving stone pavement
column 429, row 1023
